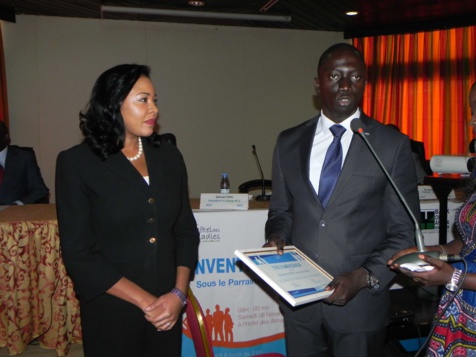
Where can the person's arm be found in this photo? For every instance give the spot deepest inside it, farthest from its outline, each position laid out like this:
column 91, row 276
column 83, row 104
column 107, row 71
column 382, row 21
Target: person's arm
column 126, row 290
column 279, row 224
column 469, row 282
column 453, row 247
column 440, row 275
column 442, row 272
column 399, row 231
column 35, row 184
column 91, row 272
column 164, row 312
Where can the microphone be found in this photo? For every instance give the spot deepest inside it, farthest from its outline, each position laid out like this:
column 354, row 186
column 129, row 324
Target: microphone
column 410, row 259
column 450, row 257
column 263, row 196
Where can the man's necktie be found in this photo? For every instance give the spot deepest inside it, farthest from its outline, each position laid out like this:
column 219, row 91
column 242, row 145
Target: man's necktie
column 332, row 165
column 1, row 173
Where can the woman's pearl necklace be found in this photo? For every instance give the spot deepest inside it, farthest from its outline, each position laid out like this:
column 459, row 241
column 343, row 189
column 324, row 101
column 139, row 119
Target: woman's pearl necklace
column 139, row 153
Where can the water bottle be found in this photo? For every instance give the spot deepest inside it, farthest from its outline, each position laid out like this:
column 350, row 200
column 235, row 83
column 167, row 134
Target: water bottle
column 224, row 183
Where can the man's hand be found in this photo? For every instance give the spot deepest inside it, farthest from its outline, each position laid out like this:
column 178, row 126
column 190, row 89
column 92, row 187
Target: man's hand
column 275, row 241
column 346, row 286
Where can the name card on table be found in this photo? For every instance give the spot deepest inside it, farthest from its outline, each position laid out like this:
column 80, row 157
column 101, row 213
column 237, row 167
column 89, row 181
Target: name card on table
column 236, row 201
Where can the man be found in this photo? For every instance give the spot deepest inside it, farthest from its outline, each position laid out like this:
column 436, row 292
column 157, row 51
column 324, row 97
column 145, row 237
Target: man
column 20, row 177
column 351, row 234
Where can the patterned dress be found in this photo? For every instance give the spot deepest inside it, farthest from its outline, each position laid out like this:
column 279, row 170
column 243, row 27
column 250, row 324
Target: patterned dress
column 455, row 333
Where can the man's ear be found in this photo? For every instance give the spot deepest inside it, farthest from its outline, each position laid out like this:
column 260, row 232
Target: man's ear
column 316, row 85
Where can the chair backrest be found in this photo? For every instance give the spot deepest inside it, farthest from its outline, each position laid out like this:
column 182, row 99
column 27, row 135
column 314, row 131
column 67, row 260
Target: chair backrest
column 198, row 326
column 252, row 185
column 418, row 147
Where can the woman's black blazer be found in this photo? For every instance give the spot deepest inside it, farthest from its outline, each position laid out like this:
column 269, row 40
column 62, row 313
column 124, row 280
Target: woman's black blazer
column 112, row 224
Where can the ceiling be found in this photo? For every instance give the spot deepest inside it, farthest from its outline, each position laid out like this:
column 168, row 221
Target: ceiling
column 376, row 17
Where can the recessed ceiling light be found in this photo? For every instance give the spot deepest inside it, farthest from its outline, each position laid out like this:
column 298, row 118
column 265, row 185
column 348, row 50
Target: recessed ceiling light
column 352, row 13
column 196, row 3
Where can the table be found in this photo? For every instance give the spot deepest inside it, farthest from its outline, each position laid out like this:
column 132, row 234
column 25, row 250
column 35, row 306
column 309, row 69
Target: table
column 442, row 184
column 37, row 300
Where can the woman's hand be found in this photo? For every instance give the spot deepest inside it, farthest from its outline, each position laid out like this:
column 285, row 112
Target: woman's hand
column 400, row 254
column 439, row 275
column 164, row 312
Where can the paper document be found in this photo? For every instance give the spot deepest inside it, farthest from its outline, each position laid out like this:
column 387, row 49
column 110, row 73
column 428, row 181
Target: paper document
column 293, row 275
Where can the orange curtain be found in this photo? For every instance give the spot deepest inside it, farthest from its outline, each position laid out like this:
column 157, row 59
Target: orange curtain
column 3, row 84
column 420, row 82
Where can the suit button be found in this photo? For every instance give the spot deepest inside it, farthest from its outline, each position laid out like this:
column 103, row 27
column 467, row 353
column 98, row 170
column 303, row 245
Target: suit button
column 150, row 220
column 152, row 240
column 151, row 200
column 322, row 223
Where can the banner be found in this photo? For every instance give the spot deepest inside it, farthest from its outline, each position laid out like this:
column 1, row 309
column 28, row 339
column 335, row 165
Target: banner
column 241, row 310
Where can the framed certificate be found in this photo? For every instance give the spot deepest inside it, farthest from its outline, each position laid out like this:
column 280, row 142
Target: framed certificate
column 293, row 275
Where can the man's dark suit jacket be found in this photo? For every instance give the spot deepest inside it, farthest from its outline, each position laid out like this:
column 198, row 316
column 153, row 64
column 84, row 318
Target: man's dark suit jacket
column 22, row 179
column 112, row 224
column 364, row 223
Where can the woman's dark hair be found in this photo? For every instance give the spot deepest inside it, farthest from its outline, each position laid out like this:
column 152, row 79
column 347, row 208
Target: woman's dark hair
column 101, row 122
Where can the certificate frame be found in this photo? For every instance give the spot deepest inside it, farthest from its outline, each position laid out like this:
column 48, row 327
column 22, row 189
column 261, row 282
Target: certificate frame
column 293, row 275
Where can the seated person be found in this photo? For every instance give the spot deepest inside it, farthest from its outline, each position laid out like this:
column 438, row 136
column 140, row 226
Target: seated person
column 20, row 177
column 418, row 151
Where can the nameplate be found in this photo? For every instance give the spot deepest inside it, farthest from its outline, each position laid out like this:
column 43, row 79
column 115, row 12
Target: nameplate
column 426, row 193
column 236, row 201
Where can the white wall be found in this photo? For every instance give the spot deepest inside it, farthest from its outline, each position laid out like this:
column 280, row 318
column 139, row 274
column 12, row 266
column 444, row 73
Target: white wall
column 220, row 89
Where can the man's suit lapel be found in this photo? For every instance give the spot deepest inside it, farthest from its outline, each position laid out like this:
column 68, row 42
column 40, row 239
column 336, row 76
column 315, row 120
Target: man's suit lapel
column 353, row 160
column 306, row 140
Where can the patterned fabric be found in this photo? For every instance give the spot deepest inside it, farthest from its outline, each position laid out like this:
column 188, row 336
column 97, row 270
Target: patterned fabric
column 455, row 333
column 37, row 300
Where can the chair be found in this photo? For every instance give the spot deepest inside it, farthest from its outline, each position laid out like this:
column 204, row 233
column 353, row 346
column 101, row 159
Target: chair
column 418, row 147
column 198, row 327
column 253, row 185
column 257, row 185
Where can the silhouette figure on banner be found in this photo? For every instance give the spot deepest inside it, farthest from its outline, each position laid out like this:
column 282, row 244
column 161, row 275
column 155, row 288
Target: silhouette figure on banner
column 228, row 324
column 209, row 319
column 218, row 320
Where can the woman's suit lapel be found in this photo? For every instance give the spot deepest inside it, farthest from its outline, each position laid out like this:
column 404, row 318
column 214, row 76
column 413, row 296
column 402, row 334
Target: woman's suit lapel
column 124, row 170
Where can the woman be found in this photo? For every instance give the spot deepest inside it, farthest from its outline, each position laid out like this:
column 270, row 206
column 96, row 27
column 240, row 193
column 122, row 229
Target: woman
column 128, row 236
column 454, row 334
